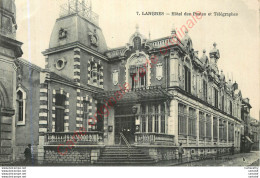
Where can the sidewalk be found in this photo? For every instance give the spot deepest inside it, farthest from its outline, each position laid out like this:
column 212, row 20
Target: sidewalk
column 241, row 159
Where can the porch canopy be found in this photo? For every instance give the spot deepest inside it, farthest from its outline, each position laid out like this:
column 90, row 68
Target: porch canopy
column 150, row 93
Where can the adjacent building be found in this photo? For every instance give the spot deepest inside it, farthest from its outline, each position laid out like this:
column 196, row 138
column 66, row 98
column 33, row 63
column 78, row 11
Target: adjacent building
column 10, row 50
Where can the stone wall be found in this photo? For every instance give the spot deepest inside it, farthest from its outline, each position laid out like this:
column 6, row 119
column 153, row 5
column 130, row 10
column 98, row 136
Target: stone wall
column 5, row 140
column 74, row 156
column 161, row 154
column 171, row 153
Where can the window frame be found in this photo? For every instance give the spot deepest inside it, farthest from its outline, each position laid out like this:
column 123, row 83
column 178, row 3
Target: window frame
column 24, row 96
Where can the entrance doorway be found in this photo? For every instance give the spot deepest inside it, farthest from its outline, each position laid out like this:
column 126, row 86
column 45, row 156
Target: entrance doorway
column 126, row 125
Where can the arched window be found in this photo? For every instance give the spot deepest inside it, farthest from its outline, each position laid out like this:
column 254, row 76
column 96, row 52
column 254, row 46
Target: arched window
column 21, row 103
column 138, row 72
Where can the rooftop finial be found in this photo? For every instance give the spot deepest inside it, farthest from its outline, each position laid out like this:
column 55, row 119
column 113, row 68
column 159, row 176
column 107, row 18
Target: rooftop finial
column 149, row 35
column 90, row 5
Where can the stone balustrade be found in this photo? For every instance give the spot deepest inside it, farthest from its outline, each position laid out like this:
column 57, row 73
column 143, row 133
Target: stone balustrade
column 88, row 138
column 153, row 139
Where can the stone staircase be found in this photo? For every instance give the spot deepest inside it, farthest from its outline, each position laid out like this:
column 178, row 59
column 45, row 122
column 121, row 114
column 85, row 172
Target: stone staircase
column 123, row 156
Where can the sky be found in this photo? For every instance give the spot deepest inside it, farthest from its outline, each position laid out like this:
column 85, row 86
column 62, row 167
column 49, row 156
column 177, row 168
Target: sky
column 237, row 37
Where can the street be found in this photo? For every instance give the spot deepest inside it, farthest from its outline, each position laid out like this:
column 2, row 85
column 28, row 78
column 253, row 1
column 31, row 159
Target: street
column 241, row 159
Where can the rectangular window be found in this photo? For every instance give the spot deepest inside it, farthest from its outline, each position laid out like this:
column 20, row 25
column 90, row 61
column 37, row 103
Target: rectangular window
column 59, row 122
column 192, row 122
column 182, row 119
column 201, row 125
column 187, row 79
column 205, row 90
column 59, row 112
column 85, row 112
column 225, row 131
column 230, row 107
column 162, row 118
column 221, row 128
column 208, row 126
column 100, row 117
column 216, row 97
column 223, row 103
column 215, row 128
column 231, row 132
column 138, row 76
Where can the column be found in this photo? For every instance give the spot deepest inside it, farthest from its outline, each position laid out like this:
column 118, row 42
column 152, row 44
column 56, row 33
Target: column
column 111, row 122
column 43, row 115
column 217, row 130
column 187, row 124
column 146, row 113
column 227, row 131
column 173, row 120
column 212, row 137
column 153, row 120
column 174, row 69
column 205, row 128
column 79, row 112
column 159, row 118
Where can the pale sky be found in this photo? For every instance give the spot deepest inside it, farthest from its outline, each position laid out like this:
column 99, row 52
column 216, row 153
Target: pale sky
column 237, row 37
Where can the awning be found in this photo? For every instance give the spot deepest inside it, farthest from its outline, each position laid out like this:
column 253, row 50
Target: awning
column 249, row 139
column 137, row 95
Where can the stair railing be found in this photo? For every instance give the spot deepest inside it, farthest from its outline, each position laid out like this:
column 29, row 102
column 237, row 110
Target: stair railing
column 127, row 144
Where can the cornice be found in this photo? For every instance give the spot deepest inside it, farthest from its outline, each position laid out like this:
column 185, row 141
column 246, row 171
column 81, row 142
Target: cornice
column 71, row 46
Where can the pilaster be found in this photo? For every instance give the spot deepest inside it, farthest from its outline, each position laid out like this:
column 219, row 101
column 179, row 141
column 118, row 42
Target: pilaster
column 173, row 120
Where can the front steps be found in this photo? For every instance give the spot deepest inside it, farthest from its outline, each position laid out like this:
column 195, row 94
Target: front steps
column 118, row 156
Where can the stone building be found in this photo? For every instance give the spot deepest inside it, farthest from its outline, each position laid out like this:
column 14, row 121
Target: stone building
column 91, row 103
column 27, row 110
column 10, row 50
column 246, row 141
column 255, row 133
column 151, row 94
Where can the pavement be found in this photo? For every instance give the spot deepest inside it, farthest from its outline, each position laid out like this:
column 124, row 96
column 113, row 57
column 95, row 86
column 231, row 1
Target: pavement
column 240, row 159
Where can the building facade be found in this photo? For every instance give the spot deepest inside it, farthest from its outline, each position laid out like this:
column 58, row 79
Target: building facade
column 255, row 134
column 150, row 94
column 10, row 50
column 157, row 93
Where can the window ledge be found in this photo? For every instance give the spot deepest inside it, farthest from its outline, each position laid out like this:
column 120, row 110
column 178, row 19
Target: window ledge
column 20, row 123
column 91, row 84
